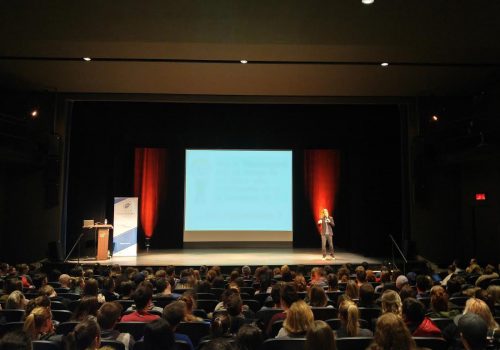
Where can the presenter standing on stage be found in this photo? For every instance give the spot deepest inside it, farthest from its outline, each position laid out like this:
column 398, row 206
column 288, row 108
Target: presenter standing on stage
column 327, row 224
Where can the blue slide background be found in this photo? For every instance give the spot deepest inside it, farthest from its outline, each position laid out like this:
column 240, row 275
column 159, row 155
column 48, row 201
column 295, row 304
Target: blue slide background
column 238, row 190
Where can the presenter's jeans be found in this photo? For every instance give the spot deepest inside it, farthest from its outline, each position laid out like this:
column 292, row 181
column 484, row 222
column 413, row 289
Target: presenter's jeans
column 323, row 244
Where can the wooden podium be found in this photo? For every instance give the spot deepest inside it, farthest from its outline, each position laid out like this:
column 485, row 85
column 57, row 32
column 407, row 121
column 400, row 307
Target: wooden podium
column 102, row 241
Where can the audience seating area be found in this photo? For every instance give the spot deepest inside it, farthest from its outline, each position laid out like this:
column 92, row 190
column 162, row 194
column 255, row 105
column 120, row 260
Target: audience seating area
column 206, row 293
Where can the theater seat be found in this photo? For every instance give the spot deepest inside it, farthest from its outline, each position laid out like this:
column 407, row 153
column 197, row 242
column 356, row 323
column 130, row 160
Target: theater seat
column 207, row 305
column 45, row 345
column 194, row 330
column 11, row 315
column 10, row 327
column 61, row 315
column 353, row 343
column 442, row 322
column 284, row 344
column 66, row 327
column 115, row 344
column 275, row 328
column 324, row 313
column 134, row 328
column 431, row 343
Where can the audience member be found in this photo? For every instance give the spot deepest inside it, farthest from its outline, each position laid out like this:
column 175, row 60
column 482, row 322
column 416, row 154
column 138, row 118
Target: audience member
column 392, row 333
column 367, row 296
column 349, row 318
column 391, row 303
column 158, row 335
column 424, row 285
column 16, row 301
column 401, row 281
column 299, row 319
column 317, row 297
column 288, row 296
column 108, row 289
column 439, row 304
column 416, row 321
column 320, row 337
column 107, row 316
column 17, row 340
column 333, row 282
column 190, row 299
column 85, row 336
column 174, row 313
column 38, row 324
column 65, row 281
column 249, row 337
column 473, row 331
column 143, row 300
column 88, row 306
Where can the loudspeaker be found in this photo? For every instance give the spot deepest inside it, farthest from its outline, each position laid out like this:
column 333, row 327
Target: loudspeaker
column 55, row 251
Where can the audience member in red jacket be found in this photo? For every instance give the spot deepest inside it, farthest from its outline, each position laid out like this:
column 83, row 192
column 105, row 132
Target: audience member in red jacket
column 142, row 298
column 418, row 324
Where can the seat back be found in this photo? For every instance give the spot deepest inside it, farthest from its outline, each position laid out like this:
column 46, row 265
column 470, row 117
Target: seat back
column 10, row 327
column 353, row 343
column 334, row 296
column 45, row 345
column 194, row 330
column 125, row 303
column 61, row 315
column 459, row 301
column 254, row 305
column 136, row 329
column 275, row 328
column 324, row 313
column 265, row 315
column 207, row 305
column 66, row 327
column 11, row 315
column 206, row 341
column 284, row 344
column 57, row 305
column 70, row 296
column 208, row 296
column 442, row 323
column 431, row 343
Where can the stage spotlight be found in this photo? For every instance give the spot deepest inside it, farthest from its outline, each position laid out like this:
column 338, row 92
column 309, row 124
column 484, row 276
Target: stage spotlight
column 87, row 59
column 244, row 61
column 367, row 2
column 384, row 64
column 435, row 118
column 34, row 113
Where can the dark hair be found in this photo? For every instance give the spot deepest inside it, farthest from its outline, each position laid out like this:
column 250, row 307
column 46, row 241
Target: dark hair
column 454, row 285
column 407, row 292
column 158, row 335
column 16, row 340
column 220, row 325
column 366, row 293
column 91, row 287
column 234, row 305
column 83, row 336
column 161, row 284
column 142, row 296
column 13, row 284
column 108, row 314
column 423, row 282
column 174, row 313
column 126, row 287
column 108, row 283
column 333, row 281
column 320, row 337
column 287, row 276
column 39, row 280
column 288, row 294
column 361, row 275
column 88, row 306
column 218, row 344
column 249, row 337
column 275, row 293
column 42, row 300
column 204, row 287
column 317, row 296
column 413, row 311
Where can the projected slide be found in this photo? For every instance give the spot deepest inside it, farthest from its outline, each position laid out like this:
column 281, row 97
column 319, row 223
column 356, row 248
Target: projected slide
column 238, row 195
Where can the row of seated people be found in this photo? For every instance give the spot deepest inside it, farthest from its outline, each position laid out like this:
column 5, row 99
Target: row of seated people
column 284, row 305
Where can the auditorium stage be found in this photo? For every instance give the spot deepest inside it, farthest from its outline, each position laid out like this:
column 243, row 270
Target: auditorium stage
column 236, row 257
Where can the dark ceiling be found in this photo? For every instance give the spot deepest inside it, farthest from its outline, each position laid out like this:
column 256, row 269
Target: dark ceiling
column 294, row 48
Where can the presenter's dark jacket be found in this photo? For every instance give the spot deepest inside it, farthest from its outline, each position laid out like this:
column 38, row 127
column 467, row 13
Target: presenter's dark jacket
column 325, row 224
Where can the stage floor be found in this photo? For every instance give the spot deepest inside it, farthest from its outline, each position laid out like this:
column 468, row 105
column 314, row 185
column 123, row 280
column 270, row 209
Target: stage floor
column 236, row 257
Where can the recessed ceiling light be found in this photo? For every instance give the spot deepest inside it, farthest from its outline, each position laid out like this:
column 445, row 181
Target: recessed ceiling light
column 435, row 118
column 34, row 113
column 87, row 59
column 367, row 2
column 244, row 61
column 384, row 64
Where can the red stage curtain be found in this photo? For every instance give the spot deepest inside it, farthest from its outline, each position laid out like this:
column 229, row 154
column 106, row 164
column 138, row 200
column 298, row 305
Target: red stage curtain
column 321, row 175
column 148, row 185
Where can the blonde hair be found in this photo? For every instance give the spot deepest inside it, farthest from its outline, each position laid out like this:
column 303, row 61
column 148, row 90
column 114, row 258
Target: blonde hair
column 15, row 301
column 322, row 211
column 36, row 320
column 351, row 290
column 479, row 307
column 299, row 319
column 349, row 314
column 391, row 302
column 392, row 333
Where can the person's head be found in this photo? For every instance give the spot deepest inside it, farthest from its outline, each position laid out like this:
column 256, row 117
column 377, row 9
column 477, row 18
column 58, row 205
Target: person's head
column 220, row 326
column 275, row 294
column 91, row 287
column 12, row 284
column 360, row 274
column 351, row 290
column 88, row 306
column 39, row 321
column 16, row 301
column 317, row 296
column 324, row 213
column 439, row 299
column 142, row 297
column 16, row 340
column 246, row 271
column 174, row 313
column 401, row 281
column 424, row 283
column 366, row 294
column 391, row 302
column 158, row 335
column 300, row 283
column 234, row 305
column 407, row 292
column 65, row 280
column 479, row 307
column 473, row 331
column 320, row 337
column 47, row 290
column 299, row 319
column 218, row 344
column 249, row 337
column 190, row 299
column 39, row 280
column 413, row 311
column 109, row 314
column 494, row 291
column 85, row 336
column 333, row 282
column 288, row 295
column 392, row 333
column 349, row 316
column 127, row 288
column 316, row 273
column 454, row 285
column 108, row 284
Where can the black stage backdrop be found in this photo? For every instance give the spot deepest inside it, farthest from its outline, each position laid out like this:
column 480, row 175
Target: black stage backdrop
column 104, row 135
